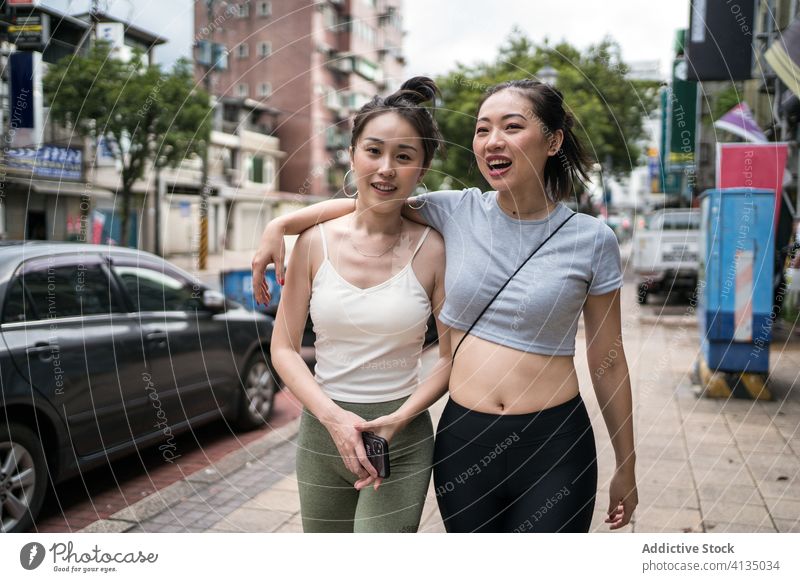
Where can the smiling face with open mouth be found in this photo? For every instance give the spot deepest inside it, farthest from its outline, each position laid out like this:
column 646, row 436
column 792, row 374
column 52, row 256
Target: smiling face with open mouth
column 511, row 145
column 387, row 161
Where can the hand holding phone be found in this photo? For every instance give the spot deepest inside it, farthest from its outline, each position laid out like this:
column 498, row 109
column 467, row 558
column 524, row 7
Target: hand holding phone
column 377, row 452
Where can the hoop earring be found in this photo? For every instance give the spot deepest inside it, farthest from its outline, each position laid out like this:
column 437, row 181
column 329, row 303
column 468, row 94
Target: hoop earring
column 344, row 186
column 424, row 200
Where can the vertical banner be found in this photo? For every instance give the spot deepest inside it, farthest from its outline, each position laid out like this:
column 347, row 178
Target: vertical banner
column 720, row 44
column 26, row 115
column 743, row 165
column 680, row 177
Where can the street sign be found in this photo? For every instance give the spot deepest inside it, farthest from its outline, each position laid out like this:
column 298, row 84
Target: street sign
column 29, row 31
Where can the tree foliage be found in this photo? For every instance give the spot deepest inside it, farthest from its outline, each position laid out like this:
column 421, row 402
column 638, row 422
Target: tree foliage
column 609, row 109
column 153, row 118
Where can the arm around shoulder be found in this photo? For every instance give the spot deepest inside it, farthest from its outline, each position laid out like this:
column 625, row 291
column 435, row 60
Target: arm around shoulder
column 271, row 249
column 435, row 208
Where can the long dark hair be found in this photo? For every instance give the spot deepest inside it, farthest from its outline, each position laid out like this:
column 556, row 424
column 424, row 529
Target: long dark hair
column 406, row 102
column 568, row 168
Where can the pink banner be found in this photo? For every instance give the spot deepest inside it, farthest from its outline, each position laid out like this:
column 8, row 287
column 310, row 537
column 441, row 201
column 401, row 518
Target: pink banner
column 751, row 165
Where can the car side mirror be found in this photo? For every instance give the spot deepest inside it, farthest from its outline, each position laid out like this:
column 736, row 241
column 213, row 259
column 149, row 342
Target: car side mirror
column 213, row 300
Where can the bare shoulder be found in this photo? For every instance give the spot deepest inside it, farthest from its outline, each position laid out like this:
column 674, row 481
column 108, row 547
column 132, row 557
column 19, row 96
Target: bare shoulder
column 309, row 238
column 308, row 249
column 432, row 250
column 434, row 244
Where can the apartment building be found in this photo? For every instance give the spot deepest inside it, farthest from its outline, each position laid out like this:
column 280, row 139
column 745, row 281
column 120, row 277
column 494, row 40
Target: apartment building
column 314, row 63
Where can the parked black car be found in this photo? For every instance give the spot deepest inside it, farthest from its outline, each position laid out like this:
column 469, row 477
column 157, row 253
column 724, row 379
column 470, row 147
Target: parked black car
column 105, row 350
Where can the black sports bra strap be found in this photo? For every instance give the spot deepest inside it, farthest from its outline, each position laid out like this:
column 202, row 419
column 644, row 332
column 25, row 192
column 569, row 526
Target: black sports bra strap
column 525, row 262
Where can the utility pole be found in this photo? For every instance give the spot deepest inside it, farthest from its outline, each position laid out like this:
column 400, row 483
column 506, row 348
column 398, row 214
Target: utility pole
column 205, row 190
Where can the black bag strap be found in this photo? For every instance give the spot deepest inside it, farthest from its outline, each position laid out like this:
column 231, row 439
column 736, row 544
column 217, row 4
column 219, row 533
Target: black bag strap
column 552, row 234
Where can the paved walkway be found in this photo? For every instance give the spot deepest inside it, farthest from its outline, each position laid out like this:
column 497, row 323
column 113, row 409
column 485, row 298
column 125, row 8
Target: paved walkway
column 702, row 465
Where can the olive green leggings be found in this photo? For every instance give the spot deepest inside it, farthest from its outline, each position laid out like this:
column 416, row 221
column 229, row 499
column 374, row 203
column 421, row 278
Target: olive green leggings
column 328, row 500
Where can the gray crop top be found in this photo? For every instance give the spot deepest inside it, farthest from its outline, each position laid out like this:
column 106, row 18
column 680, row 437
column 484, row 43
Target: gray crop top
column 538, row 311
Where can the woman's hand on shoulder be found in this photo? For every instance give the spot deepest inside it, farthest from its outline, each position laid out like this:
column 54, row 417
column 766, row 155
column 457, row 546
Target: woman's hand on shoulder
column 271, row 250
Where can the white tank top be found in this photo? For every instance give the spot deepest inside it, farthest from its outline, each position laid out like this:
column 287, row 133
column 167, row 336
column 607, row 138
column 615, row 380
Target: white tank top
column 369, row 341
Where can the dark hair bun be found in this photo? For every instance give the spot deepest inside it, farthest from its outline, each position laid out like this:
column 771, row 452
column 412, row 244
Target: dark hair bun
column 417, row 90
column 407, row 103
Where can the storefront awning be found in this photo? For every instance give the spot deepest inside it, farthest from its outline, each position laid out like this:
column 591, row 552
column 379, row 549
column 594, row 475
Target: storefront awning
column 61, row 188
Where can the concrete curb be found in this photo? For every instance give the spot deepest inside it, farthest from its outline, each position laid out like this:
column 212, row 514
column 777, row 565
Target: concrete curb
column 165, row 498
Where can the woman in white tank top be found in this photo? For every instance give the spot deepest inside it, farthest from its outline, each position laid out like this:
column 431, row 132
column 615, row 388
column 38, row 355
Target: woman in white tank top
column 370, row 281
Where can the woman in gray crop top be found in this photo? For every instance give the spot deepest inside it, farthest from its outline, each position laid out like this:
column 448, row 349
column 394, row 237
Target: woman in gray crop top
column 514, row 447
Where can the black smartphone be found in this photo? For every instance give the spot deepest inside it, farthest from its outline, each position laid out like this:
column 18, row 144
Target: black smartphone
column 377, row 452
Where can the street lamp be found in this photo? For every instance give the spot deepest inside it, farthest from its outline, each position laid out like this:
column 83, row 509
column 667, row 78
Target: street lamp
column 547, row 75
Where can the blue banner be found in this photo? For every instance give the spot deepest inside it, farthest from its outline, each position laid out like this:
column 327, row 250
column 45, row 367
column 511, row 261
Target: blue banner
column 47, row 161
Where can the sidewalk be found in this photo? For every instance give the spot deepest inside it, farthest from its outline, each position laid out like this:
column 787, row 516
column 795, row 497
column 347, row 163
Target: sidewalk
column 702, row 465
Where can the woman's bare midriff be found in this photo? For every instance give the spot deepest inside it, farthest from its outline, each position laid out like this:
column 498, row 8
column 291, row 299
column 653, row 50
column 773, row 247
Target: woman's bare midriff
column 488, row 377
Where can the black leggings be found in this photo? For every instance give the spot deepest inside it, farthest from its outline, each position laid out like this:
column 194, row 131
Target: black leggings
column 533, row 472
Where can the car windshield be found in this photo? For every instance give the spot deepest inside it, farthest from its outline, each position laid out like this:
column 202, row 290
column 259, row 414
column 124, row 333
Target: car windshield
column 675, row 221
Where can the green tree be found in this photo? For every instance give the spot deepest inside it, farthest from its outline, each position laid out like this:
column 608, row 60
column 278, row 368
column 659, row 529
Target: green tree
column 609, row 109
column 155, row 118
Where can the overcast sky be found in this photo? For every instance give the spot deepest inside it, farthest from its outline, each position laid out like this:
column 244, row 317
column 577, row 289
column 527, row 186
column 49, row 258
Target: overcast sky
column 442, row 32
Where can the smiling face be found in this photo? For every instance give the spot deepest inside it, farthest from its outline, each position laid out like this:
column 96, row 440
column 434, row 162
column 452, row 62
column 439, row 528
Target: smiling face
column 511, row 144
column 387, row 161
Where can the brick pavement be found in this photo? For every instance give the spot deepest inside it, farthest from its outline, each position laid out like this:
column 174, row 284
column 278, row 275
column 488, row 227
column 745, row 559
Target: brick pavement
column 103, row 492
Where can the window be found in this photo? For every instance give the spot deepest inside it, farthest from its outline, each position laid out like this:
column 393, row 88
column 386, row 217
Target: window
column 681, row 220
column 366, row 69
column 332, row 99
column 329, row 18
column 264, row 49
column 264, row 89
column 392, row 17
column 242, row 90
column 156, row 290
column 243, row 50
column 60, row 291
column 17, row 307
column 244, row 9
column 265, row 9
column 336, row 139
column 257, row 169
column 364, row 31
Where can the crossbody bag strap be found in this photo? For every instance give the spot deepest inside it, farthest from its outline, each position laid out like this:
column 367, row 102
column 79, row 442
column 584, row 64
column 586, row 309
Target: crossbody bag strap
column 552, row 234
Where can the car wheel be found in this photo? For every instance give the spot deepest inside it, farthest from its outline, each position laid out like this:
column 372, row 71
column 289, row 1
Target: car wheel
column 23, row 477
column 260, row 383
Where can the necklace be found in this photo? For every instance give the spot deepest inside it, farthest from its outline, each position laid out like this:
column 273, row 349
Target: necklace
column 362, row 253
column 515, row 213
